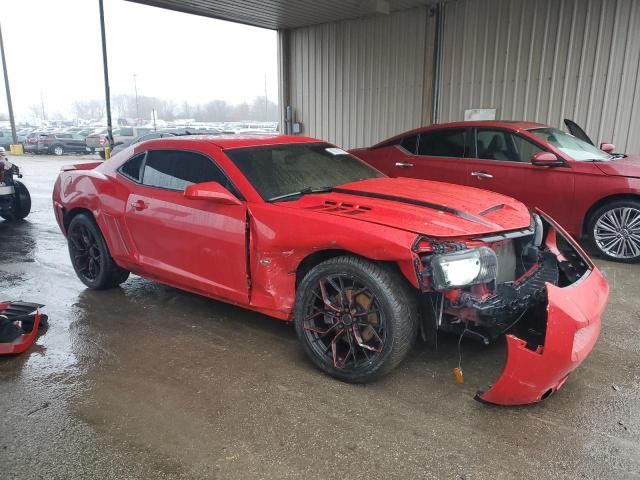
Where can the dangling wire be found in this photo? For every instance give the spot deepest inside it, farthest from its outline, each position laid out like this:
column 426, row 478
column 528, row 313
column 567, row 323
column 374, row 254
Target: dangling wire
column 458, row 371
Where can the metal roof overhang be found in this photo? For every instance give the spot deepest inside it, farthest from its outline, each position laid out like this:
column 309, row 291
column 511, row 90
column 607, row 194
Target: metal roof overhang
column 283, row 14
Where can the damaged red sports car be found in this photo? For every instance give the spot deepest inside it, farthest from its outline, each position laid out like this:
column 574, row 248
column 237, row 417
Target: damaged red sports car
column 298, row 229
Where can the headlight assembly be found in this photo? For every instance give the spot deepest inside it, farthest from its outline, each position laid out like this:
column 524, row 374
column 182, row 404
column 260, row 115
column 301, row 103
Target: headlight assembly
column 466, row 267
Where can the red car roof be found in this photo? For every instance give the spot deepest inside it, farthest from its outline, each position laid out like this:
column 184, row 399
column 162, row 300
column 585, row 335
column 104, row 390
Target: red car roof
column 508, row 124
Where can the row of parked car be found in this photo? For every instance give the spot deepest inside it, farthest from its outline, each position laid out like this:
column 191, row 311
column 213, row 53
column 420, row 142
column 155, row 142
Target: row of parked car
column 95, row 140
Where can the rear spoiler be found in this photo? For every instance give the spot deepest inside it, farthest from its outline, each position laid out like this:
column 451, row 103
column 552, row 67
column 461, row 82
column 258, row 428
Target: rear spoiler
column 81, row 166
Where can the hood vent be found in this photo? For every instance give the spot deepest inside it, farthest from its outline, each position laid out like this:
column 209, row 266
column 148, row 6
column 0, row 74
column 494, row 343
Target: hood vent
column 340, row 207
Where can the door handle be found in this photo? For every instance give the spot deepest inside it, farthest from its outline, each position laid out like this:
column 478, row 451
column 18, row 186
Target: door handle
column 139, row 205
column 481, row 175
column 404, row 164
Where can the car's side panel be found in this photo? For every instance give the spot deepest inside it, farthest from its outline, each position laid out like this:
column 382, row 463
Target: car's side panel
column 549, row 188
column 278, row 248
column 592, row 187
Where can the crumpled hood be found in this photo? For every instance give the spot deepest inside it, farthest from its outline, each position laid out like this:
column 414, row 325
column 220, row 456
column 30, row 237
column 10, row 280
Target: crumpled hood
column 421, row 206
column 628, row 166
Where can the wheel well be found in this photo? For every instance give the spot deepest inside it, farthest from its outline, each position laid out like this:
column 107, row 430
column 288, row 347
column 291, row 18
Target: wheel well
column 317, row 258
column 604, row 201
column 68, row 216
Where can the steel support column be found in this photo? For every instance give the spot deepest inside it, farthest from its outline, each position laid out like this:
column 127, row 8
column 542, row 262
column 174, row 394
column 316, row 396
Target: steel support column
column 6, row 84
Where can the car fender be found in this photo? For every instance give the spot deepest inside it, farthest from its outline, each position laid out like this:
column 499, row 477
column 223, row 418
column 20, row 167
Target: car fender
column 280, row 242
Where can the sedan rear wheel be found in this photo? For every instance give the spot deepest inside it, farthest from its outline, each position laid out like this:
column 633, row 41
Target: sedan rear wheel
column 356, row 319
column 90, row 256
column 58, row 150
column 615, row 231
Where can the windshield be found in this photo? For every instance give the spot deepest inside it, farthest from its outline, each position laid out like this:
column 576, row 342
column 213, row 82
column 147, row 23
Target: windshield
column 574, row 147
column 278, row 170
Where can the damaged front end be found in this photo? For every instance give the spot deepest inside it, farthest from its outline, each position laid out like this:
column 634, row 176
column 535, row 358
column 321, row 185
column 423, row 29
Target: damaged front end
column 536, row 286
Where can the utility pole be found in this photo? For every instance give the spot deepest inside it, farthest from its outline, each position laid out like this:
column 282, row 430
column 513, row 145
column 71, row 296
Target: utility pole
column 266, row 100
column 135, row 88
column 6, row 84
column 42, row 106
column 105, row 67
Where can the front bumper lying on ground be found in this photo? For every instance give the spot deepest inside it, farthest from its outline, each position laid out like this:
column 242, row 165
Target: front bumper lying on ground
column 573, row 314
column 573, row 326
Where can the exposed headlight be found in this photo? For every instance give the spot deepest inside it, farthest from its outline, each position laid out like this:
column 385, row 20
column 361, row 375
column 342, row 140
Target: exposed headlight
column 466, row 267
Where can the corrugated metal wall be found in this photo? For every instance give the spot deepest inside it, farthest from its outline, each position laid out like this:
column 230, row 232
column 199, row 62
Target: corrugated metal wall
column 545, row 60
column 356, row 82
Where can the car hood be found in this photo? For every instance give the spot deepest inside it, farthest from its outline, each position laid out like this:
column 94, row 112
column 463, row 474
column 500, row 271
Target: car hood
column 628, row 166
column 420, row 206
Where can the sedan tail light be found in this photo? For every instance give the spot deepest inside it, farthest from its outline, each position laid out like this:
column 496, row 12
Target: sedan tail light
column 103, row 141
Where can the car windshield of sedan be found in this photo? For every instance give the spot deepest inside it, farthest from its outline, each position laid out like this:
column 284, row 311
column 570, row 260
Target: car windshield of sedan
column 574, row 147
column 288, row 171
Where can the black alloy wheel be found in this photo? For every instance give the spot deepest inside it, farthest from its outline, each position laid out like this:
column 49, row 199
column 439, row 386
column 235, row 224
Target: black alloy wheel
column 356, row 319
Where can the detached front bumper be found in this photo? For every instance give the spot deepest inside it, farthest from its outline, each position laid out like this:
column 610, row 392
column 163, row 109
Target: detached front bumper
column 572, row 328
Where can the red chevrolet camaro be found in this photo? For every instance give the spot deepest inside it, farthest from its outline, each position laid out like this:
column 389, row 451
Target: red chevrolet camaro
column 592, row 193
column 298, row 229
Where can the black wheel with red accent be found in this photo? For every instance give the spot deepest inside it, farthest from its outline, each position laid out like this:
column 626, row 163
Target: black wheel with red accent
column 90, row 256
column 356, row 319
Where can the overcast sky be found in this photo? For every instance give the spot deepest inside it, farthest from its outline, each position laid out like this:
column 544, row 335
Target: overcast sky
column 53, row 48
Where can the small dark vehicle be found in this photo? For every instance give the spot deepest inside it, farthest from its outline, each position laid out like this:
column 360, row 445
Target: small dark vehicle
column 15, row 201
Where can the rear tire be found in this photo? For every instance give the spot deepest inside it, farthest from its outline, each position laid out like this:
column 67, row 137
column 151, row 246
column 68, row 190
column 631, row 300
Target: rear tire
column 90, row 256
column 22, row 206
column 614, row 231
column 57, row 150
column 102, row 154
column 356, row 319
column 23, row 201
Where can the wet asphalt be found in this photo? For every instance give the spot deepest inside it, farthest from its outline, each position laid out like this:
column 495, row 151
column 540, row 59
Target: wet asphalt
column 148, row 382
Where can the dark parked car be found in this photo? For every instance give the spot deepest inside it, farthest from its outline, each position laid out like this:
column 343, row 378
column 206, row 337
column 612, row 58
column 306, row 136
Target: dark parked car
column 162, row 134
column 5, row 138
column 55, row 143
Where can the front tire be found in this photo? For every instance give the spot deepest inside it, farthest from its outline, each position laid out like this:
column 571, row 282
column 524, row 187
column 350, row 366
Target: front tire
column 356, row 319
column 90, row 256
column 614, row 231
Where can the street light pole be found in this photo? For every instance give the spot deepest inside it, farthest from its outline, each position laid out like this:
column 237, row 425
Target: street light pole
column 105, row 67
column 6, row 84
column 135, row 87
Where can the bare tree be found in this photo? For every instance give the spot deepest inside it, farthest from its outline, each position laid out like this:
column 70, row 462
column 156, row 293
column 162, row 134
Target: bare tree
column 89, row 109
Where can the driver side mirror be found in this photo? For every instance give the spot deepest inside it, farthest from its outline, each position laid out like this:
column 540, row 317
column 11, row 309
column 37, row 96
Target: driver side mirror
column 212, row 191
column 607, row 147
column 546, row 159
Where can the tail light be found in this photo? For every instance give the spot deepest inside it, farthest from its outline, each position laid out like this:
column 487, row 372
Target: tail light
column 103, row 141
column 33, row 140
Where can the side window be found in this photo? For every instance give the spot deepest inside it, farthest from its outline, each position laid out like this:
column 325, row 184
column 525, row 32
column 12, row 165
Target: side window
column 409, row 143
column 442, row 143
column 525, row 148
column 132, row 167
column 495, row 145
column 174, row 170
column 505, row 146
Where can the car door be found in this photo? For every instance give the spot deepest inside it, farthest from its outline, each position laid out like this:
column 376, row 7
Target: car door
column 196, row 244
column 77, row 143
column 440, row 156
column 503, row 165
